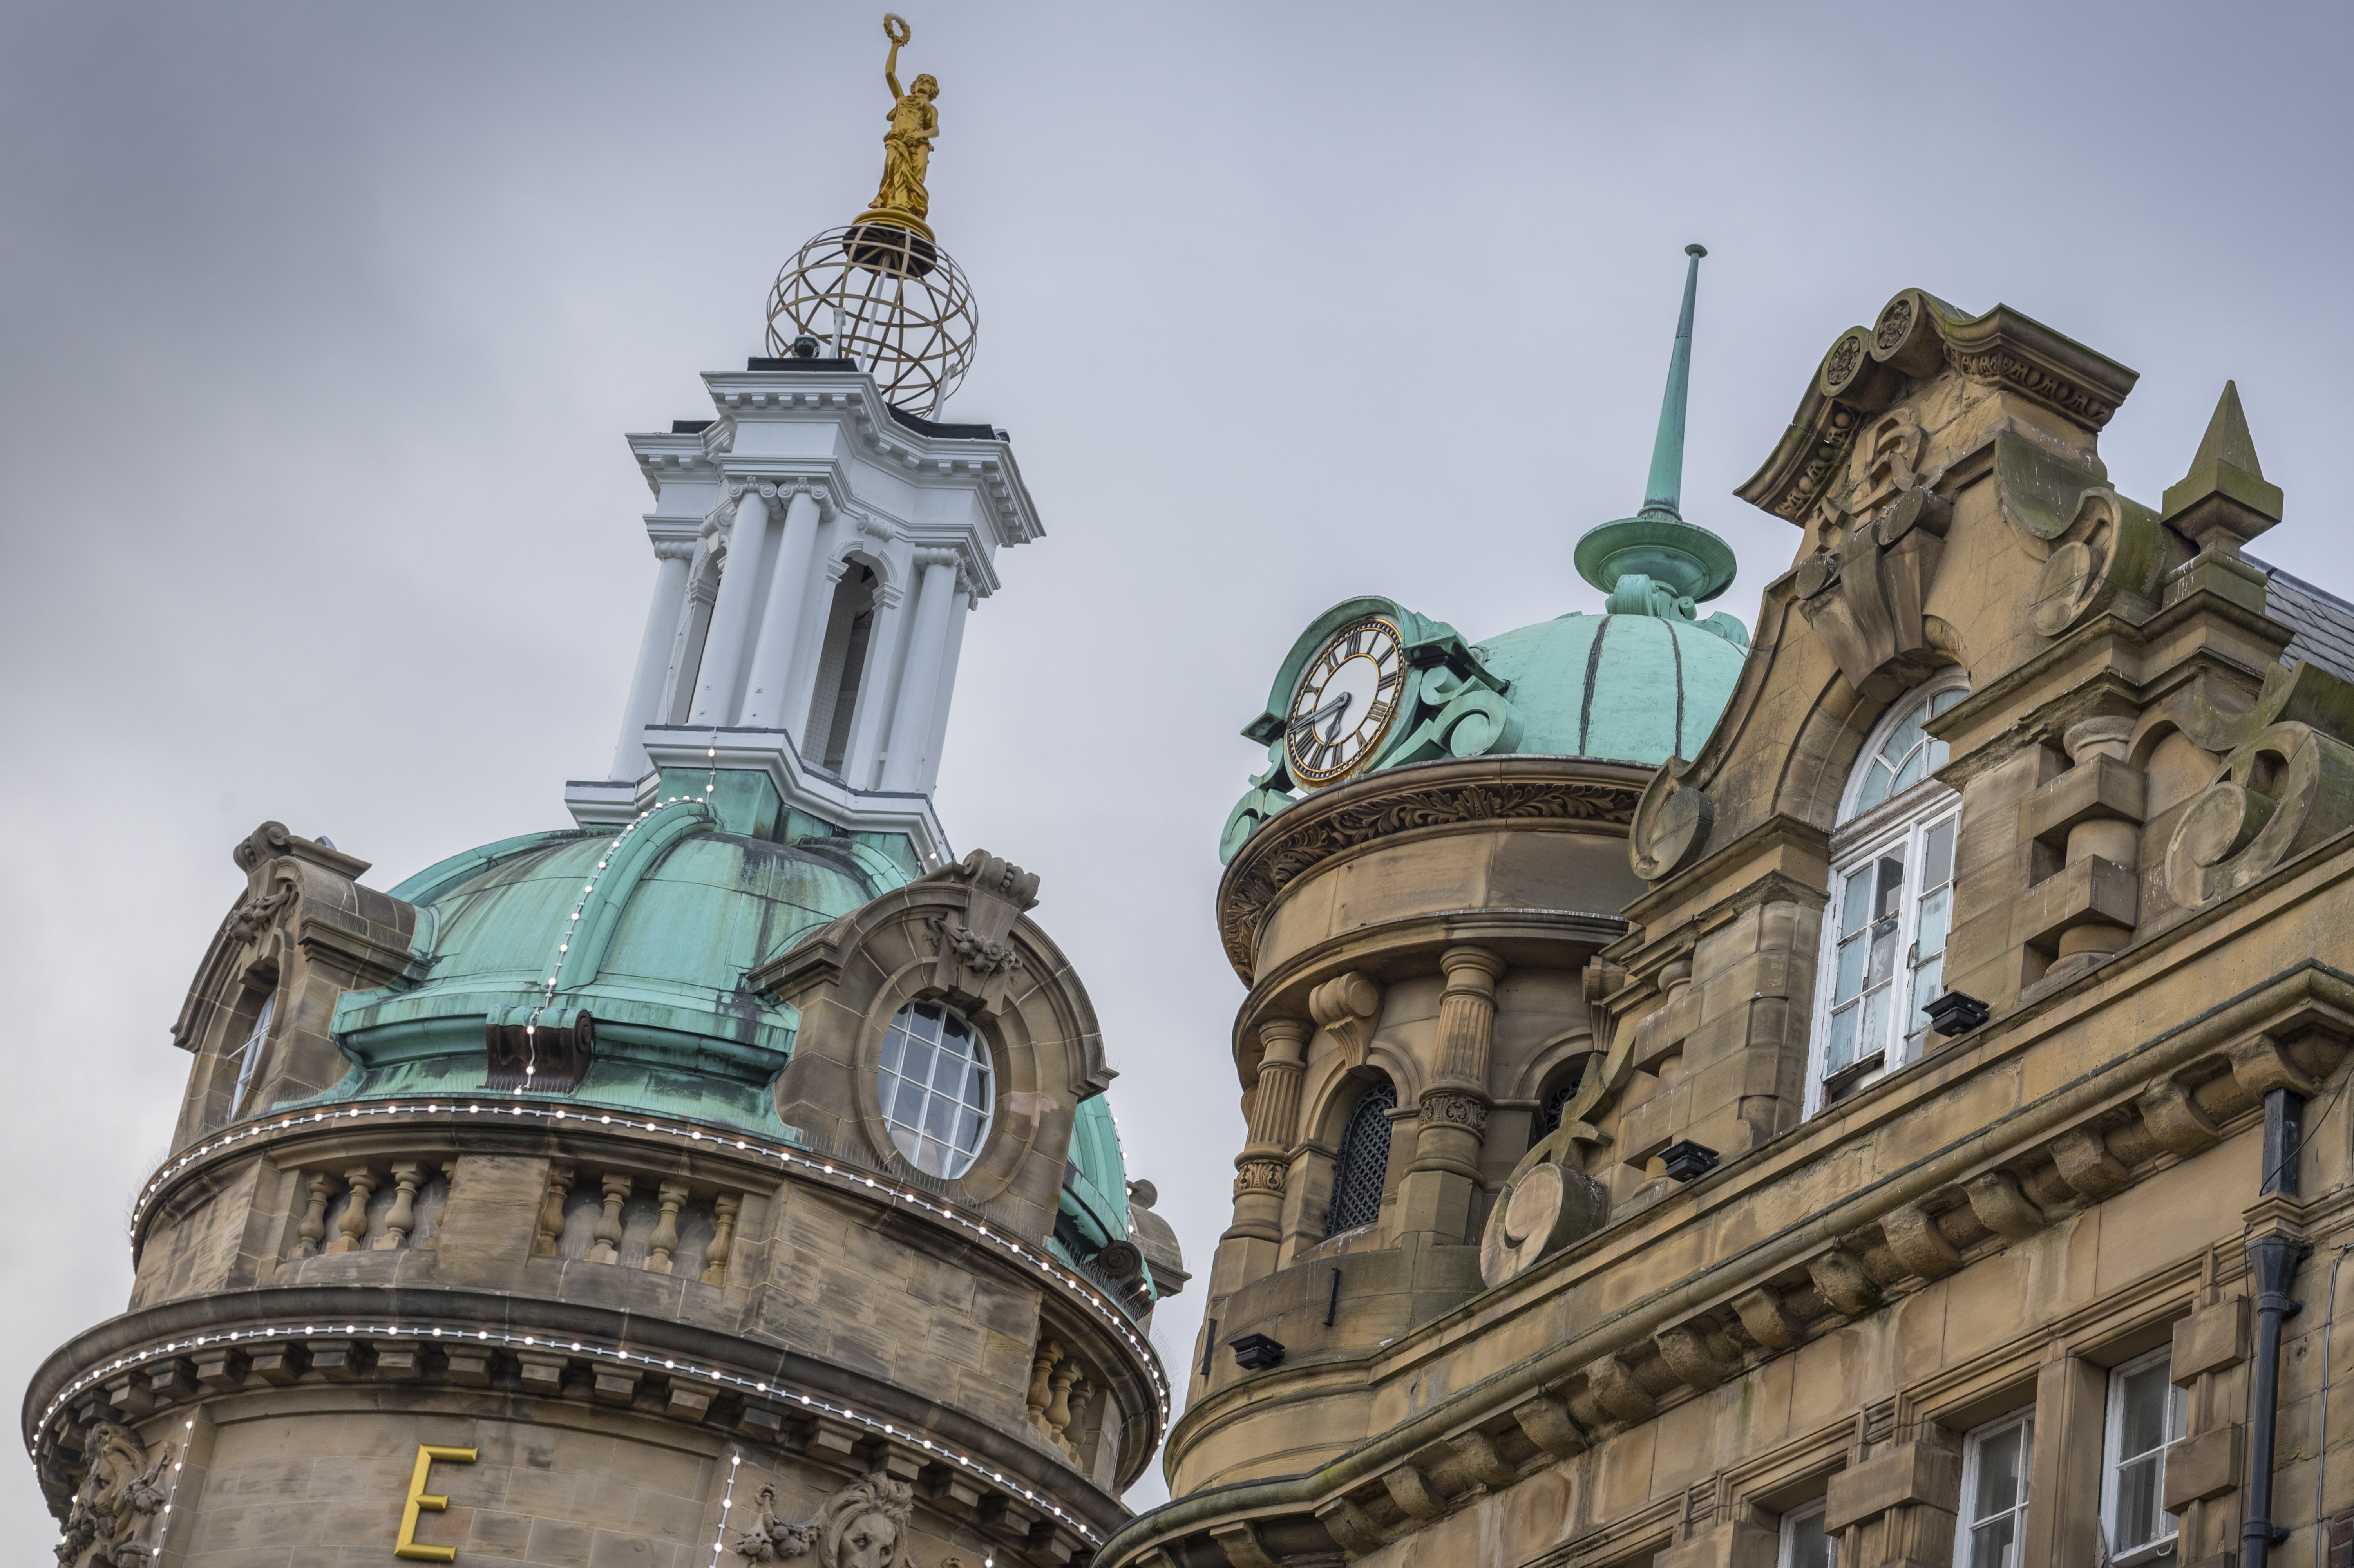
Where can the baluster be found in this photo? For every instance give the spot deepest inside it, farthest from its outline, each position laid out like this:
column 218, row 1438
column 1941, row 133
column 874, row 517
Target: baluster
column 662, row 1246
column 723, row 1237
column 608, row 1223
column 551, row 1212
column 313, row 1226
column 1041, row 1371
column 401, row 1218
column 1059, row 1414
column 363, row 1184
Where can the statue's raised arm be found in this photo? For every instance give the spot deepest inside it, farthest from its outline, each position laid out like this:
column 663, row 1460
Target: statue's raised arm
column 901, row 198
column 896, row 28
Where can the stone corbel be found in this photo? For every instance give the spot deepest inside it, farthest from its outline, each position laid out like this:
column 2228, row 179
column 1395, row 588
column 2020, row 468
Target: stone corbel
column 975, row 960
column 1347, row 1006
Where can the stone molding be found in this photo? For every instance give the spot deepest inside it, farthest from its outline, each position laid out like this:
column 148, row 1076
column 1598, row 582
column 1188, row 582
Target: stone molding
column 1562, row 792
column 2076, row 1146
column 150, row 1362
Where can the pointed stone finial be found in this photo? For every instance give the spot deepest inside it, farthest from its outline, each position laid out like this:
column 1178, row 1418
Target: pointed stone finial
column 1657, row 546
column 2223, row 502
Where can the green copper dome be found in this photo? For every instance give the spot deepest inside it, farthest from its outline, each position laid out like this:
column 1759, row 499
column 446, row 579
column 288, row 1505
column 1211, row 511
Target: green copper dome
column 650, row 934
column 1632, row 688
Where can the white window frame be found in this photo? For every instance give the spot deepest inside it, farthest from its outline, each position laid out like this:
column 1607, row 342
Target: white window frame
column 248, row 1056
column 1806, row 1513
column 915, row 1142
column 1966, row 1521
column 1902, row 821
column 2178, row 1409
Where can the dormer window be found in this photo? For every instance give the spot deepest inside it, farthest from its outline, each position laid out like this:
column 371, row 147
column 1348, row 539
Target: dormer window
column 1891, row 902
column 248, row 1056
column 937, row 1094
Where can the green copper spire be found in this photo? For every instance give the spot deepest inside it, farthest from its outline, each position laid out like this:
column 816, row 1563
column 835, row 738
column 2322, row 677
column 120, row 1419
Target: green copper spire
column 1665, row 562
column 1659, row 497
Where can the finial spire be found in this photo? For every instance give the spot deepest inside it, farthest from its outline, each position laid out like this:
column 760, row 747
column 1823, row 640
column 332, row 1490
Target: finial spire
column 1662, row 495
column 1655, row 555
column 2224, row 501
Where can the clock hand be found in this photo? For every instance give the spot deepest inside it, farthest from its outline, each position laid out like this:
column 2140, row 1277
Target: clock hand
column 1310, row 721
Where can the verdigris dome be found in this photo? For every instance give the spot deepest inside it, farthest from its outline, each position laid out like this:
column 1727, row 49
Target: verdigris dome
column 648, row 936
column 1631, row 688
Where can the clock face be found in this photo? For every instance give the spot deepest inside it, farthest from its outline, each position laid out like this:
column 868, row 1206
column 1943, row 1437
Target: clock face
column 1345, row 701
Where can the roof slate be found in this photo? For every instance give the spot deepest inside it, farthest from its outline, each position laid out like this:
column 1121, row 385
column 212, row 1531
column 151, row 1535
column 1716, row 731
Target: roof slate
column 2323, row 622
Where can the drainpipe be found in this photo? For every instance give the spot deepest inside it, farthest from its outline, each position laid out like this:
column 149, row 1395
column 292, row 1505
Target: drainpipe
column 2273, row 1261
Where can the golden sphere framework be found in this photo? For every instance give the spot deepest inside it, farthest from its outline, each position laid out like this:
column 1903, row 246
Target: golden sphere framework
column 888, row 296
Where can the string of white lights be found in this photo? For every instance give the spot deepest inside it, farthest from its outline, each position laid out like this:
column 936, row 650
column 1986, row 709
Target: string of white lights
column 590, row 1349
column 164, row 1529
column 726, row 1501
column 572, row 927
column 1037, row 1260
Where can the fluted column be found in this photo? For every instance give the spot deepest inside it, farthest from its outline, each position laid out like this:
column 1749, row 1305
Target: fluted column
column 1272, row 1115
column 731, row 618
column 1437, row 1193
column 671, row 558
column 945, row 693
column 766, row 702
column 911, row 715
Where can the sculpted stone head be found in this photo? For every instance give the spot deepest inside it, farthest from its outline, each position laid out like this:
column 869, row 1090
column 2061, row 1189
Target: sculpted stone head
column 865, row 1525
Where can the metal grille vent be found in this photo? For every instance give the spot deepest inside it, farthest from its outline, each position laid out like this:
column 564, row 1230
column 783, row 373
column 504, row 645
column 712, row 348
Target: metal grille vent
column 1549, row 1120
column 1364, row 1160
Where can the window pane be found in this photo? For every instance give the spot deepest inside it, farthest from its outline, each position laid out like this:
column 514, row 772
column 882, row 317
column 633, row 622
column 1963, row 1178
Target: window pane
column 939, row 1116
column 1937, row 861
column 919, row 1066
column 2143, row 1396
column 1872, row 1033
column 2137, row 1503
column 1851, row 969
column 1927, row 982
column 1888, row 877
column 1883, row 952
column 1876, row 787
column 1906, row 737
column 1937, row 754
column 2001, row 1476
column 910, row 1110
column 1842, row 1050
column 1945, row 700
column 1934, row 911
column 1996, row 1545
column 1912, row 771
column 1855, row 912
column 938, row 1099
column 1807, row 1545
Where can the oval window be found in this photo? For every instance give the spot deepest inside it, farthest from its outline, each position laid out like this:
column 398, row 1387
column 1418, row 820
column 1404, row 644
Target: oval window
column 937, row 1096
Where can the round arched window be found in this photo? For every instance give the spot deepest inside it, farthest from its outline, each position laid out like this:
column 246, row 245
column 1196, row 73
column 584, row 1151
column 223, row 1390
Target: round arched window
column 938, row 1095
column 1362, row 1166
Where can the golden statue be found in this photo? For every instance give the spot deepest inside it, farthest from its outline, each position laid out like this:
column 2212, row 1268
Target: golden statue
column 902, row 200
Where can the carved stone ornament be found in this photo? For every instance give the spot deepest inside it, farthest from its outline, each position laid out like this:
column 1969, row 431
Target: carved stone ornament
column 1348, row 1005
column 2106, row 552
column 1542, row 1210
column 1878, row 541
column 866, row 1524
column 1258, row 1176
column 114, row 1507
column 2276, row 796
column 1372, row 808
column 1670, row 827
column 1455, row 1110
column 1915, row 338
column 975, row 960
column 250, row 919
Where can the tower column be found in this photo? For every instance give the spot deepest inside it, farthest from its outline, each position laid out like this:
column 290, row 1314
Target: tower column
column 911, row 716
column 1271, row 1110
column 1437, row 1192
column 671, row 558
column 723, row 645
column 766, row 703
column 874, row 688
column 938, row 739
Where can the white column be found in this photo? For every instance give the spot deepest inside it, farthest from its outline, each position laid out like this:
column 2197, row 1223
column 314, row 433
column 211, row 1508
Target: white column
column 766, row 702
column 817, row 605
column 911, row 715
column 686, row 650
column 723, row 645
column 874, row 688
column 944, row 694
column 671, row 558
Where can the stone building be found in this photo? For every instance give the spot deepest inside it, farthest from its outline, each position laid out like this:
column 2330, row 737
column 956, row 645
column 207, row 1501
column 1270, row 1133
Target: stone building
column 724, row 1178
column 1895, row 1124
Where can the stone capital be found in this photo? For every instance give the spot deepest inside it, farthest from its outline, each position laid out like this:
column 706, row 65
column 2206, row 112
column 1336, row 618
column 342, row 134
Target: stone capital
column 674, row 549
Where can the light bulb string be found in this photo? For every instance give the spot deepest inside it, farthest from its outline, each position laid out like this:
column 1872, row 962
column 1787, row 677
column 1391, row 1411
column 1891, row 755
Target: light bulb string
column 590, row 1349
column 1037, row 1260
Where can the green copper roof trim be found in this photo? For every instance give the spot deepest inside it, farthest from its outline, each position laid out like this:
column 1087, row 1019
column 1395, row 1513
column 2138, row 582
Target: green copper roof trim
column 1095, row 1184
column 1686, row 561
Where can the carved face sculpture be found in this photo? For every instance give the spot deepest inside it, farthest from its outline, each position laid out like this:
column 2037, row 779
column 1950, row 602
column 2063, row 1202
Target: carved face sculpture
column 871, row 1541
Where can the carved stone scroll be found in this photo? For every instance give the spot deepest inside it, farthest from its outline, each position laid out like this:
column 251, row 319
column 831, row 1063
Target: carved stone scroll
column 2277, row 795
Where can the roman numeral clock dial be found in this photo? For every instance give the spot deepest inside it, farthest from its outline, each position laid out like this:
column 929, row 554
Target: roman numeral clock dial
column 1345, row 701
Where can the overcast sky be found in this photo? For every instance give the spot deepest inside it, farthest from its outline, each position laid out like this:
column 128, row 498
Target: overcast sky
column 320, row 326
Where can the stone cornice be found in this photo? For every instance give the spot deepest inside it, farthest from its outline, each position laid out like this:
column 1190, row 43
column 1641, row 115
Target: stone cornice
column 733, row 1389
column 2146, row 1102
column 1569, row 793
